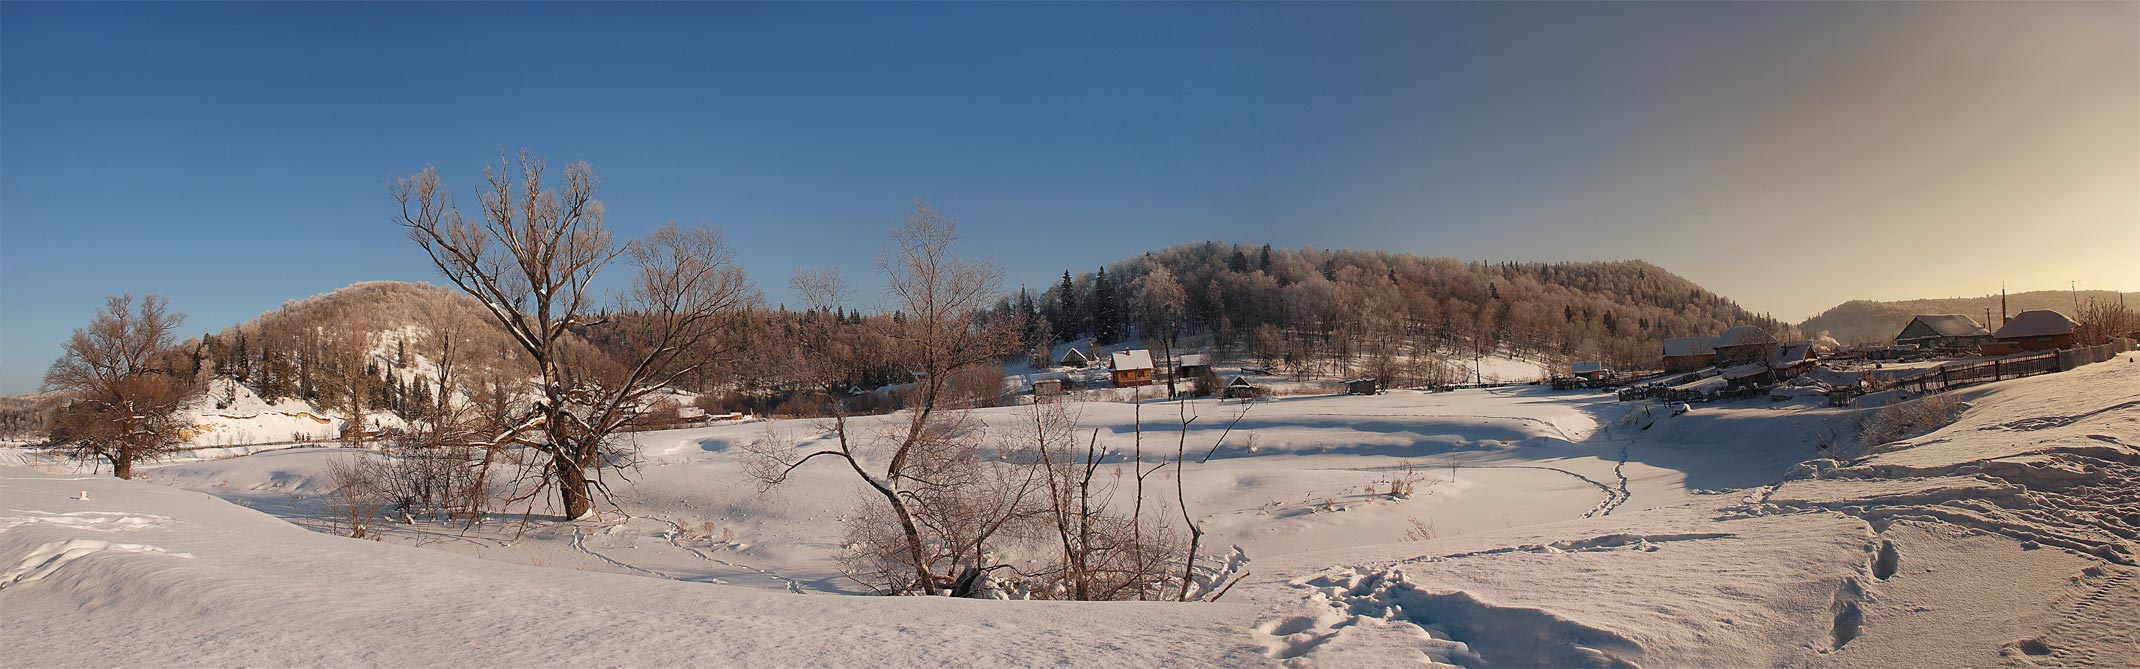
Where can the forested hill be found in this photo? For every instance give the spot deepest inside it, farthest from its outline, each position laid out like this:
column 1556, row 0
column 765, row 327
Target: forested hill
column 1870, row 321
column 1310, row 302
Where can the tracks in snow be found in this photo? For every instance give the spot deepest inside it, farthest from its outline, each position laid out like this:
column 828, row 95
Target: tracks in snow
column 676, row 530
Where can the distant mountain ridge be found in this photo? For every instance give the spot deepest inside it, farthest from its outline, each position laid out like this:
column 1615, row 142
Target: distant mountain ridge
column 1859, row 321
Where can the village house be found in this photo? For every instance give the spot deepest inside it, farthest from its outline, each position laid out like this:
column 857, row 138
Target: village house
column 1192, row 364
column 1686, row 354
column 1240, row 389
column 2033, row 330
column 1132, row 368
column 1949, row 331
column 1362, row 386
column 1588, row 369
column 1075, row 358
column 1745, row 344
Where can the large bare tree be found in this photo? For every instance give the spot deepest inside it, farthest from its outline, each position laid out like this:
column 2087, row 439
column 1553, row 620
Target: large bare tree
column 124, row 398
column 928, row 456
column 531, row 256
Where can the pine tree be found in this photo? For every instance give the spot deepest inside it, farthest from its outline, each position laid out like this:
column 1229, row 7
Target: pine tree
column 1067, row 310
column 1106, row 313
column 1263, row 259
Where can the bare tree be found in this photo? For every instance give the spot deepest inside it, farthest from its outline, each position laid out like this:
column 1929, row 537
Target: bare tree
column 344, row 377
column 530, row 258
column 2102, row 320
column 930, row 454
column 1160, row 301
column 124, row 399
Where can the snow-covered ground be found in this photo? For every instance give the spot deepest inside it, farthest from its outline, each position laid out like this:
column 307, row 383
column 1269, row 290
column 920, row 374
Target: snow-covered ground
column 1571, row 530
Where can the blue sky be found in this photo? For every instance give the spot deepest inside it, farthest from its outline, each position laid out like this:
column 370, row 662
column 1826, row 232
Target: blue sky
column 234, row 156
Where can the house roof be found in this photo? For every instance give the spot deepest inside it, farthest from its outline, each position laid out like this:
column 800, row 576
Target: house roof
column 1076, row 354
column 1794, row 353
column 2036, row 323
column 1950, row 325
column 1744, row 335
column 1241, row 382
column 1586, row 367
column 1743, row 371
column 1686, row 346
column 1135, row 358
column 1195, row 360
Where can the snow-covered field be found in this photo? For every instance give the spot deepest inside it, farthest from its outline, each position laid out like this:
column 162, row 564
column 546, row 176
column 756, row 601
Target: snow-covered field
column 1570, row 530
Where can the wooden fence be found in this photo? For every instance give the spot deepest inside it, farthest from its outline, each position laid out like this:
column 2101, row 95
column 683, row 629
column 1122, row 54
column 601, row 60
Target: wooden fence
column 1955, row 375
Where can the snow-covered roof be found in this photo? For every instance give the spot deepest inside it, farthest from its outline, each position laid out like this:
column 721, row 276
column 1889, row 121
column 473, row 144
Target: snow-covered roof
column 1950, row 325
column 1744, row 335
column 1195, row 360
column 1686, row 346
column 1241, row 382
column 1586, row 367
column 2036, row 323
column 1794, row 353
column 1135, row 358
column 1743, row 371
column 1075, row 354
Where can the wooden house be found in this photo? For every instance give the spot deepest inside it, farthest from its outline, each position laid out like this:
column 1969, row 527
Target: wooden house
column 2033, row 330
column 1192, row 364
column 1075, row 358
column 1745, row 344
column 1240, row 389
column 1132, row 368
column 1686, row 354
column 1362, row 386
column 1949, row 331
column 1588, row 369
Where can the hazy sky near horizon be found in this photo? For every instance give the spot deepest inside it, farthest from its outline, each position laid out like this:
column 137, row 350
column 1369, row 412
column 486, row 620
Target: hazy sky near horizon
column 1790, row 156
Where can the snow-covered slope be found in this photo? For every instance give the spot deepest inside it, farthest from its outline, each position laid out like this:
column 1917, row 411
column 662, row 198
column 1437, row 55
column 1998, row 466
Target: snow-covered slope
column 1571, row 531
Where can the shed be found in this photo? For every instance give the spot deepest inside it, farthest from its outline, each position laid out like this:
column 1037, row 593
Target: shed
column 1686, row 354
column 1192, row 364
column 1050, row 385
column 2034, row 330
column 1943, row 331
column 1362, row 386
column 1132, row 368
column 1075, row 358
column 1588, row 369
column 1241, row 388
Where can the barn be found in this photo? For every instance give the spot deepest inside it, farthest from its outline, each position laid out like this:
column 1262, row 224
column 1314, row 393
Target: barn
column 1950, row 331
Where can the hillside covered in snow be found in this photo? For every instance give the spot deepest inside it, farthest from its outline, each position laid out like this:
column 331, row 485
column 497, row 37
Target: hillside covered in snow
column 1530, row 528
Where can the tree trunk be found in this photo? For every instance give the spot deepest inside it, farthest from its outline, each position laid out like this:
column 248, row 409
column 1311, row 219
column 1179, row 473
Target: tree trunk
column 914, row 544
column 122, row 465
column 572, row 487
